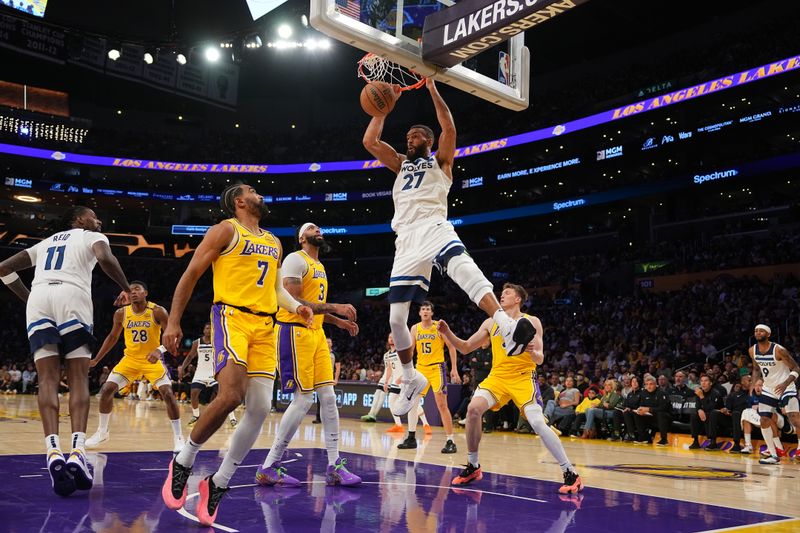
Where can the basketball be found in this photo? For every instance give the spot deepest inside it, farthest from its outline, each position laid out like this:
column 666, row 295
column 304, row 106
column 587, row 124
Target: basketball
column 378, row 98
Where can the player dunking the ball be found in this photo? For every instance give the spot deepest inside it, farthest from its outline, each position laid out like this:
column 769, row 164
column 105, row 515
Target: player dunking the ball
column 247, row 294
column 425, row 238
column 511, row 378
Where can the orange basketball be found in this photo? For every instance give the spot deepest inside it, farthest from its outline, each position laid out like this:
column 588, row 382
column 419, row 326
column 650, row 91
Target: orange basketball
column 378, row 98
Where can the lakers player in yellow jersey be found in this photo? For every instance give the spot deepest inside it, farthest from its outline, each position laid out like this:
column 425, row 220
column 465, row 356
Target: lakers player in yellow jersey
column 305, row 361
column 430, row 344
column 247, row 293
column 141, row 322
column 511, row 378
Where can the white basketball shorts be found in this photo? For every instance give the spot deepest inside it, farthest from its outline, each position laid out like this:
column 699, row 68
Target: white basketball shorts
column 60, row 314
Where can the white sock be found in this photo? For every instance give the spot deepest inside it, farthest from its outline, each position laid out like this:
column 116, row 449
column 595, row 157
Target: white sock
column 397, row 420
column 778, row 443
column 421, row 414
column 533, row 412
column 78, row 442
column 176, row 428
column 408, row 370
column 104, row 418
column 330, row 422
column 747, row 441
column 768, row 440
column 472, row 457
column 188, row 453
column 392, row 401
column 259, row 401
column 290, row 421
column 449, row 437
column 377, row 402
column 196, row 412
column 231, row 415
column 413, row 416
column 52, row 443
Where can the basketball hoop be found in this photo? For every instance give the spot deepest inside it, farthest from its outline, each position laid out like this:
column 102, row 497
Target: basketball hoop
column 375, row 68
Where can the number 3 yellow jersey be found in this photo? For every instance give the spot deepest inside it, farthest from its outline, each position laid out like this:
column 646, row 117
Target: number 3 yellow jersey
column 245, row 272
column 314, row 290
column 430, row 345
column 142, row 332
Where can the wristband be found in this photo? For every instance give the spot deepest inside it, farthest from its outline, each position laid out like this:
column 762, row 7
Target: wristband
column 11, row 278
column 162, row 349
column 794, row 374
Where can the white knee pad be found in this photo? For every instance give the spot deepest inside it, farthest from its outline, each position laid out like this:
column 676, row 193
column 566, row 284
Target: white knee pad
column 463, row 270
column 398, row 322
column 259, row 397
column 303, row 400
column 535, row 416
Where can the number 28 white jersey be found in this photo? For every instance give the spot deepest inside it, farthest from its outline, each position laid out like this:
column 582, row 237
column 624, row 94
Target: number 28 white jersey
column 66, row 257
column 419, row 192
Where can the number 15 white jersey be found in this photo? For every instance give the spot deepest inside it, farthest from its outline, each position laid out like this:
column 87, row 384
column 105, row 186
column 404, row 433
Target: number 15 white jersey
column 66, row 257
column 419, row 192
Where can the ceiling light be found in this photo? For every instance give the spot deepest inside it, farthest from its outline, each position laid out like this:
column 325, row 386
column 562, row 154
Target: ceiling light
column 180, row 58
column 212, row 54
column 114, row 54
column 27, row 198
column 284, row 31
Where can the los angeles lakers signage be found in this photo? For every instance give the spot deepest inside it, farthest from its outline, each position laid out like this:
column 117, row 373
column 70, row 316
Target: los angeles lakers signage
column 471, row 26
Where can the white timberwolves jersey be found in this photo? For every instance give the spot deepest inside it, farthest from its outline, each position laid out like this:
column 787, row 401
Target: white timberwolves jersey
column 391, row 360
column 66, row 257
column 419, row 192
column 205, row 362
column 774, row 372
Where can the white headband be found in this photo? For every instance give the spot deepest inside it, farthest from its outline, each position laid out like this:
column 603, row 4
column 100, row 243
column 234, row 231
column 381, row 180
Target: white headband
column 303, row 229
column 765, row 328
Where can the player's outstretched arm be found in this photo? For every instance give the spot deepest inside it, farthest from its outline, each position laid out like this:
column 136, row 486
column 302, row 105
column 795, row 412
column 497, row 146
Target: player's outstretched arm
column 473, row 343
column 111, row 339
column 215, row 240
column 347, row 325
column 380, row 150
column 446, row 151
column 8, row 273
column 110, row 265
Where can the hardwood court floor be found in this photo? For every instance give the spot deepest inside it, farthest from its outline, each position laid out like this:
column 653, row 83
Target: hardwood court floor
column 637, row 487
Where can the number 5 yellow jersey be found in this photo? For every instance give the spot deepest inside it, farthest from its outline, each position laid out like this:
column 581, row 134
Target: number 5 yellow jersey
column 313, row 290
column 142, row 332
column 245, row 272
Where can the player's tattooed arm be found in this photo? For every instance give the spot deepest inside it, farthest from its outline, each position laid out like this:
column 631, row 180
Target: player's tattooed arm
column 446, row 150
column 794, row 370
column 294, row 287
column 756, row 369
column 8, row 272
column 348, row 325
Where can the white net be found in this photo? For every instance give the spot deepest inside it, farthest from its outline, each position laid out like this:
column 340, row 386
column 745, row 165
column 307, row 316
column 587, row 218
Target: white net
column 375, row 68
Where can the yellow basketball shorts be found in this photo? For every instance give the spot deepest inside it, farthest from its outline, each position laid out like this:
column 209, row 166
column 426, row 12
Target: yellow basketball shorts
column 134, row 369
column 521, row 388
column 244, row 339
column 304, row 358
column 436, row 374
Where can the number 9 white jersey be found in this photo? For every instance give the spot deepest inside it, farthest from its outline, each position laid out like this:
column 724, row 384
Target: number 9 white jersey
column 419, row 192
column 66, row 257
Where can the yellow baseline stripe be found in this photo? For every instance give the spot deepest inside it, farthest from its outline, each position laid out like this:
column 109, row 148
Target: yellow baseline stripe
column 790, row 525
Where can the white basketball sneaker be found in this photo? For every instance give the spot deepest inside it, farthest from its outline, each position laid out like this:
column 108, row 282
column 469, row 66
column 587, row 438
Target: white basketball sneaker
column 177, row 444
column 97, row 439
column 410, row 390
column 517, row 334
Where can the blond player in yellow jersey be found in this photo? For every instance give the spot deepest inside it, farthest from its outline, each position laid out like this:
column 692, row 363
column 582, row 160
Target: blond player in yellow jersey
column 429, row 345
column 511, row 378
column 305, row 361
column 141, row 322
column 247, row 293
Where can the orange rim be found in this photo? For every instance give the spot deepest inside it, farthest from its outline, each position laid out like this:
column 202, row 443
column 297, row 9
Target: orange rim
column 363, row 76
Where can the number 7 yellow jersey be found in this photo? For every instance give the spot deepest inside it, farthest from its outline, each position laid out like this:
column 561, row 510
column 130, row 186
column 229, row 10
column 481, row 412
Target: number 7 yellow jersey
column 245, row 272
column 142, row 331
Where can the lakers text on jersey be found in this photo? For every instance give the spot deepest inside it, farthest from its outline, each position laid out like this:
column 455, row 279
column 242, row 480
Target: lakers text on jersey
column 430, row 357
column 142, row 334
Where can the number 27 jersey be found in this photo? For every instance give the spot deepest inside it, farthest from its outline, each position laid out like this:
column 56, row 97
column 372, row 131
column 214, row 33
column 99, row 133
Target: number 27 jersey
column 419, row 192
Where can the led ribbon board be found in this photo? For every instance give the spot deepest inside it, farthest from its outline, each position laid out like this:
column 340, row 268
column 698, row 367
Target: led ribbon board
column 468, row 28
